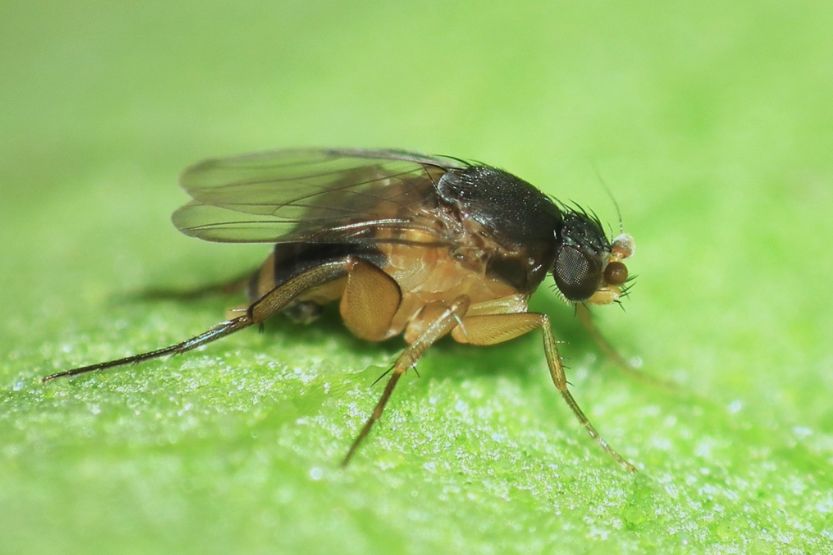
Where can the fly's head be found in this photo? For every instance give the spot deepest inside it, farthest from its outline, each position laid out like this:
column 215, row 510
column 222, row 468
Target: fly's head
column 589, row 268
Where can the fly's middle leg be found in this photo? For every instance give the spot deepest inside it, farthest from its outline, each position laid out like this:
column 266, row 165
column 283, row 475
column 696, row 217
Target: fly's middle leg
column 438, row 328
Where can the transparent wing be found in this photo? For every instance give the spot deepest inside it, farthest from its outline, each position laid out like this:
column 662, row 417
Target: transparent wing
column 336, row 195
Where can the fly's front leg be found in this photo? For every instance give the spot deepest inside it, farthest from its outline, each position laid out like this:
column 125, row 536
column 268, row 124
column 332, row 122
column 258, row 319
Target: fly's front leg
column 586, row 319
column 257, row 312
column 444, row 323
column 497, row 328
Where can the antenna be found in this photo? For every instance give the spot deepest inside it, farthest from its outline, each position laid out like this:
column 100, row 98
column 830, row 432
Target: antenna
column 612, row 198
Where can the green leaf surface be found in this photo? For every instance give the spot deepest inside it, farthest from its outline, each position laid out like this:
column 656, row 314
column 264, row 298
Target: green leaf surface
column 712, row 125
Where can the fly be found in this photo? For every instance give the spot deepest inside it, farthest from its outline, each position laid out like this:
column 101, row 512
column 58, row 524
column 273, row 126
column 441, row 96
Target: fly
column 407, row 244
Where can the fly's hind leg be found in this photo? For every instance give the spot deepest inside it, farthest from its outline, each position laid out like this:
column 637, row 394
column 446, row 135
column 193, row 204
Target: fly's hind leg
column 228, row 286
column 369, row 301
column 269, row 304
column 439, row 327
column 490, row 329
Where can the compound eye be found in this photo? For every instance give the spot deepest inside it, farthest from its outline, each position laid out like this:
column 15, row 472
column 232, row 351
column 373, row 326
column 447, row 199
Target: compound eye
column 616, row 273
column 577, row 274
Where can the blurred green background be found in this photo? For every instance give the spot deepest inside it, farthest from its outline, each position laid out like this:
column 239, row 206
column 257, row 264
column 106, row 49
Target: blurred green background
column 710, row 122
